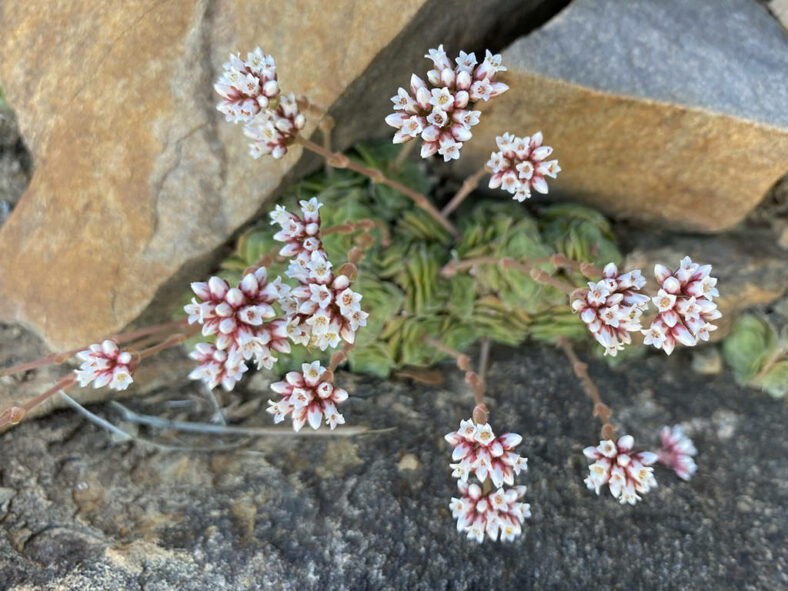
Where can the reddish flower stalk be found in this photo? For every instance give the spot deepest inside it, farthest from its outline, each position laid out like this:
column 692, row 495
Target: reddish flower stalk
column 463, row 363
column 524, row 265
column 468, row 186
column 339, row 160
column 580, row 369
column 15, row 414
column 59, row 357
column 103, row 365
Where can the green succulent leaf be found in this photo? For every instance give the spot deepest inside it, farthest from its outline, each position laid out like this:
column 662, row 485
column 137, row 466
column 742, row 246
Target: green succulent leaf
column 372, row 359
column 751, row 344
column 399, row 276
column 775, row 380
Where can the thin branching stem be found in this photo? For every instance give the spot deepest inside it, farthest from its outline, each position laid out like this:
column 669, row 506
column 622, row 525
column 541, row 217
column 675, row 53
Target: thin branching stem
column 484, row 358
column 464, row 364
column 525, row 265
column 363, row 225
column 339, row 160
column 59, row 357
column 404, row 151
column 468, row 186
column 543, row 277
column 15, row 414
column 580, row 369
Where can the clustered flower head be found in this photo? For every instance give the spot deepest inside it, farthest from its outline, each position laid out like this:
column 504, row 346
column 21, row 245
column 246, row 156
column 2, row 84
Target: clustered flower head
column 685, row 304
column 242, row 320
column 676, row 452
column 251, row 95
column 258, row 317
column 104, row 364
column 275, row 129
column 625, row 473
column 215, row 367
column 247, row 86
column 520, row 165
column 440, row 110
column 478, row 452
column 322, row 310
column 612, row 307
column 495, row 513
column 310, row 395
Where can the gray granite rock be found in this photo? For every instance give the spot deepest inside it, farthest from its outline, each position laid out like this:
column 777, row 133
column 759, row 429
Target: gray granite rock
column 371, row 512
column 727, row 56
column 650, row 106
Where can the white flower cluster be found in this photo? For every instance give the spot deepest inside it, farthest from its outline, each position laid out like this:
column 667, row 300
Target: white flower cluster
column 216, row 367
column 242, row 320
column 251, row 95
column 612, row 307
column 625, row 473
column 519, row 165
column 310, row 395
column 495, row 513
column 105, row 364
column 676, row 452
column 259, row 317
column 478, row 451
column 685, row 304
column 275, row 129
column 247, row 87
column 440, row 111
column 322, row 310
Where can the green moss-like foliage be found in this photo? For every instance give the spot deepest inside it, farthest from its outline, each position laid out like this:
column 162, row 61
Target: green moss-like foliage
column 400, row 278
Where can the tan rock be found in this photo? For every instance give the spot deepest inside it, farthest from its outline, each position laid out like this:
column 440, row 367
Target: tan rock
column 661, row 111
column 138, row 179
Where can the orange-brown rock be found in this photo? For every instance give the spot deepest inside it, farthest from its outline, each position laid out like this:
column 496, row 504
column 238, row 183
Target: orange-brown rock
column 670, row 112
column 138, row 180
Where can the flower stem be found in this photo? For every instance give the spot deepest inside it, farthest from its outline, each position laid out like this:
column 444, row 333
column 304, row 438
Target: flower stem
column 463, row 363
column 580, row 369
column 403, row 155
column 364, row 225
column 466, row 189
column 525, row 265
column 484, row 358
column 588, row 269
column 171, row 341
column 15, row 414
column 59, row 357
column 545, row 278
column 338, row 160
